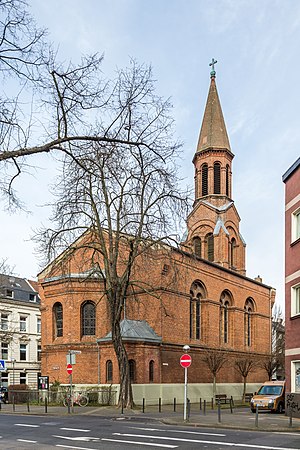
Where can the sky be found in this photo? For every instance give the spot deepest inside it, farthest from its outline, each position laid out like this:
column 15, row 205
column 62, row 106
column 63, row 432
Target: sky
column 256, row 43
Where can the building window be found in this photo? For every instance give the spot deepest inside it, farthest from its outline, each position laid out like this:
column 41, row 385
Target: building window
column 58, row 319
column 109, row 371
column 23, row 323
column 249, row 309
column 295, row 300
column 225, row 302
column 4, row 379
column 4, row 350
column 197, row 292
column 204, row 179
column 132, row 370
column 23, row 378
column 295, row 376
column 23, row 352
column 209, row 240
column 197, row 246
column 228, row 180
column 32, row 297
column 88, row 319
column 39, row 352
column 217, row 178
column 38, row 324
column 151, row 371
column 232, row 253
column 9, row 293
column 4, row 322
column 296, row 225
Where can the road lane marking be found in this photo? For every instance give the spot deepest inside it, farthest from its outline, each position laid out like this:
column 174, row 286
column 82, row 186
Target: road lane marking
column 76, row 448
column 26, row 425
column 79, row 438
column 178, row 431
column 141, row 443
column 198, row 441
column 75, row 429
column 27, row 440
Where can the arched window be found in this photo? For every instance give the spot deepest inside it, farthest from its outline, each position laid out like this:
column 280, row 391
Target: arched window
column 232, row 253
column 197, row 292
column 88, row 319
column 225, row 302
column 209, row 239
column 204, row 179
column 58, row 319
column 197, row 246
column 132, row 371
column 109, row 371
column 228, row 180
column 151, row 371
column 249, row 309
column 217, row 178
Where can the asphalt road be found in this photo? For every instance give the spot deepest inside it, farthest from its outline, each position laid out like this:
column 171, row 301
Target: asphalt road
column 91, row 433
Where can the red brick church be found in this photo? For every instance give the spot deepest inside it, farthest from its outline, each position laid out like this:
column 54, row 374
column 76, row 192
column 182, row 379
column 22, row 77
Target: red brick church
column 203, row 297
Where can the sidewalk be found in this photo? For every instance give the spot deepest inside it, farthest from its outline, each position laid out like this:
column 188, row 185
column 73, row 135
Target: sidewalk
column 241, row 418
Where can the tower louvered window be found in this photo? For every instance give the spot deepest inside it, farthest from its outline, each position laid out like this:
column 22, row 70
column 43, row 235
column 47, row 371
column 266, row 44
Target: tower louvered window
column 227, row 180
column 232, row 253
column 210, row 246
column 217, row 178
column 204, row 179
column 58, row 319
column 197, row 246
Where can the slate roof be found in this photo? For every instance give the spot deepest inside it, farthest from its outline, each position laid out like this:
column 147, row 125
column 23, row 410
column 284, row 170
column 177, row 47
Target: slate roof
column 21, row 288
column 135, row 330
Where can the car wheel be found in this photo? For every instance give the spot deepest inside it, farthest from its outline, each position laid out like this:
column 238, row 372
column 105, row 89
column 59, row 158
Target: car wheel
column 280, row 408
column 253, row 410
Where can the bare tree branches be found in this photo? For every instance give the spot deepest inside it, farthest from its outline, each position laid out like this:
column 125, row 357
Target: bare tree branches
column 215, row 360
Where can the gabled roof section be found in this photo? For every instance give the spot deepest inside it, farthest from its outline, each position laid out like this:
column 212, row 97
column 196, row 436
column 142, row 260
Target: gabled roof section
column 213, row 134
column 135, row 330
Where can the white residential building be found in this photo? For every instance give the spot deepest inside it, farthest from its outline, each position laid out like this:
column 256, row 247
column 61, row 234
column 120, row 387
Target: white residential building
column 20, row 331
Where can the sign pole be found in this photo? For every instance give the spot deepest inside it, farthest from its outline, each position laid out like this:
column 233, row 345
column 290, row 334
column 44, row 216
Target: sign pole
column 185, row 394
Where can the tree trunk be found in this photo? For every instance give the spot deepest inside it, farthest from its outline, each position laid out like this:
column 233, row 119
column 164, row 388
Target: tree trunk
column 244, row 389
column 125, row 396
column 214, row 386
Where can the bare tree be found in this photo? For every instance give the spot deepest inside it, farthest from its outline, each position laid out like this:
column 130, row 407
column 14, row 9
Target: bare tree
column 244, row 366
column 273, row 364
column 215, row 360
column 122, row 200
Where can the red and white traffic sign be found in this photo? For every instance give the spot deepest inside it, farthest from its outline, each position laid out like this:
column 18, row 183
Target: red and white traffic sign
column 185, row 360
column 69, row 369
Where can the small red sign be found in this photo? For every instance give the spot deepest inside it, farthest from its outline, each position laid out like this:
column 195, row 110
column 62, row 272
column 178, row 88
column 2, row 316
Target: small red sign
column 69, row 369
column 185, row 360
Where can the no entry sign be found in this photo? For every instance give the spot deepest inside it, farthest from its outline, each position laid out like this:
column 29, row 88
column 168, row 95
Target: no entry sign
column 185, row 360
column 69, row 369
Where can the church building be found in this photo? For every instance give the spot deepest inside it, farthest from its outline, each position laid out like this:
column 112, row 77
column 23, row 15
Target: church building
column 204, row 298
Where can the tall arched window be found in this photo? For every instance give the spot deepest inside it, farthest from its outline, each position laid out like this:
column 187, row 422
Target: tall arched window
column 209, row 239
column 132, row 370
column 197, row 246
column 225, row 302
column 109, row 371
column 204, row 179
column 58, row 319
column 88, row 319
column 227, row 180
column 249, row 309
column 217, row 178
column 232, row 253
column 151, row 371
column 197, row 292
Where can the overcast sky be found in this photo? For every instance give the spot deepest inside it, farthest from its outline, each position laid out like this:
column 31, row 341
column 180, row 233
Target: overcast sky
column 256, row 44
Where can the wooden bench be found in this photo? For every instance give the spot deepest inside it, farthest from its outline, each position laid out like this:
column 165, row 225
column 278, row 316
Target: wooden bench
column 222, row 398
column 248, row 396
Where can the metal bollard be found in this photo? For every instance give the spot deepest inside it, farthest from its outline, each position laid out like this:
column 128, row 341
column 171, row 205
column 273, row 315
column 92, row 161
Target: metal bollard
column 212, row 403
column 200, row 403
column 143, row 405
column 46, row 405
column 204, row 407
column 159, row 404
column 174, row 407
column 188, row 409
column 231, row 398
column 13, row 399
column 231, row 404
column 291, row 420
column 256, row 416
column 28, row 409
column 219, row 411
column 122, row 407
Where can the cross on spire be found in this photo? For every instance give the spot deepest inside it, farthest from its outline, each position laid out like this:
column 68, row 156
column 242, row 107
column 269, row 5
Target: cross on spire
column 212, row 64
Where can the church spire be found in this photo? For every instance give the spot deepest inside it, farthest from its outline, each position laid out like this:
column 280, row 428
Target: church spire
column 213, row 134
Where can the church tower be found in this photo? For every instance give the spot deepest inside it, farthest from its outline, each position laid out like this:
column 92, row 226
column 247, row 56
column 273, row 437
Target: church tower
column 213, row 224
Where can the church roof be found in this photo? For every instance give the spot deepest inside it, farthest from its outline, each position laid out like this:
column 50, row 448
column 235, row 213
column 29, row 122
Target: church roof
column 135, row 330
column 213, row 132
